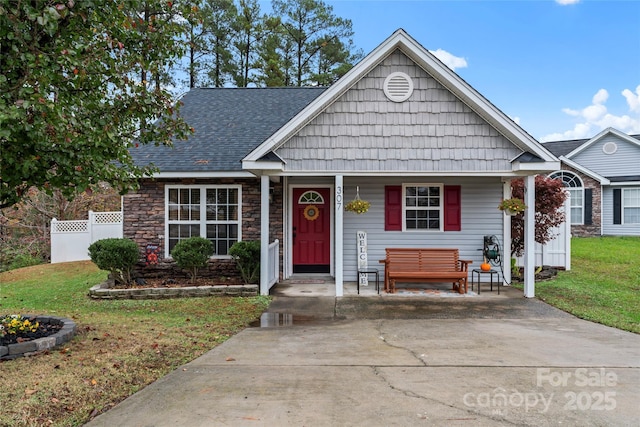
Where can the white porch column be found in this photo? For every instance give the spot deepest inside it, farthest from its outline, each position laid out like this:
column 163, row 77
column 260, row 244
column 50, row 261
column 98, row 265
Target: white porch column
column 506, row 237
column 339, row 232
column 529, row 236
column 264, row 235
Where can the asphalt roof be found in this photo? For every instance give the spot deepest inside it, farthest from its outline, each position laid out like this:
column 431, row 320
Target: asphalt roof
column 562, row 148
column 228, row 123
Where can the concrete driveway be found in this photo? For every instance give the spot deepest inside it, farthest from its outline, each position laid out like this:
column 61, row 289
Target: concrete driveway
column 402, row 361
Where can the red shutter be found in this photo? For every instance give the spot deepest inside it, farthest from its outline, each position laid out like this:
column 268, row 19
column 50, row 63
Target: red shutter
column 452, row 208
column 393, row 208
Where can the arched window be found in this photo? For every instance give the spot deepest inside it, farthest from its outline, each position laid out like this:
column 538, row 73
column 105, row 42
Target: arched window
column 574, row 185
column 311, row 197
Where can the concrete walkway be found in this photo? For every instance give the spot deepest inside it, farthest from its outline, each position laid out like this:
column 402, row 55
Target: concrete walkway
column 404, row 361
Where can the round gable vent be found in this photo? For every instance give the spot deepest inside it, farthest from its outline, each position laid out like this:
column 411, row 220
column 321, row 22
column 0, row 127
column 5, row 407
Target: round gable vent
column 609, row 148
column 398, row 87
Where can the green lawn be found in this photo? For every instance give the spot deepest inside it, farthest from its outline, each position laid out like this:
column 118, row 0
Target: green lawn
column 603, row 284
column 120, row 347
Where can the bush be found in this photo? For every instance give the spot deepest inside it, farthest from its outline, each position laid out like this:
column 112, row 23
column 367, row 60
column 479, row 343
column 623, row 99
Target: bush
column 23, row 260
column 192, row 254
column 247, row 256
column 118, row 256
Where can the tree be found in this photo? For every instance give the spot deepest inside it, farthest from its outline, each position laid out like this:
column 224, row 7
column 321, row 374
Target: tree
column 334, row 60
column 220, row 68
column 274, row 69
column 74, row 96
column 249, row 32
column 208, row 35
column 311, row 27
column 550, row 197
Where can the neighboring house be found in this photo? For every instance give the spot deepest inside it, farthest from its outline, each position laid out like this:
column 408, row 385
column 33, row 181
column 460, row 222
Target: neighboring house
column 602, row 175
column 432, row 156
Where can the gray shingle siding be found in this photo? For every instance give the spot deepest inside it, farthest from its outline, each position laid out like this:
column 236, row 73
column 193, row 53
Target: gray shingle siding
column 228, row 123
column 624, row 162
column 363, row 130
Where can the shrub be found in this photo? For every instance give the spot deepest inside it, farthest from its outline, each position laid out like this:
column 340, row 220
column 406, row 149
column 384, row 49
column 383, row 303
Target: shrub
column 118, row 256
column 247, row 256
column 192, row 254
column 24, row 260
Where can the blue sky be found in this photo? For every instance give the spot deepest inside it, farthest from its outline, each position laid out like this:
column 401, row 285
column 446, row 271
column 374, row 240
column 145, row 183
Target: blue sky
column 563, row 69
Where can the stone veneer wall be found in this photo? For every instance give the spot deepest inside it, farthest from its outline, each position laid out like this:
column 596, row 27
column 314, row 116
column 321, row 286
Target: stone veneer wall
column 593, row 229
column 144, row 222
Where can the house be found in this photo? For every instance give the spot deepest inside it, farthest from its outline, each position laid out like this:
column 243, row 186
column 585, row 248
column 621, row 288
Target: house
column 602, row 174
column 400, row 129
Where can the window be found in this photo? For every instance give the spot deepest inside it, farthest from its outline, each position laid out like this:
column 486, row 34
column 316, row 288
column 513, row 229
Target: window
column 573, row 183
column 395, row 208
column 631, row 205
column 311, row 197
column 213, row 212
column 422, row 207
column 577, row 203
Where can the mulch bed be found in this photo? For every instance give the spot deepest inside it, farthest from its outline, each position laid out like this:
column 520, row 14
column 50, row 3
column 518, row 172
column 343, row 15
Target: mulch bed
column 178, row 282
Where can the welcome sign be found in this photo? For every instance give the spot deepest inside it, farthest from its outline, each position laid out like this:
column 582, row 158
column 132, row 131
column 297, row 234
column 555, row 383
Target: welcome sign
column 363, row 262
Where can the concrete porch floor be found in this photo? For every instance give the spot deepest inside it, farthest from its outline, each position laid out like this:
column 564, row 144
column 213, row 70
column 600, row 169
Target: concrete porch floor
column 320, row 285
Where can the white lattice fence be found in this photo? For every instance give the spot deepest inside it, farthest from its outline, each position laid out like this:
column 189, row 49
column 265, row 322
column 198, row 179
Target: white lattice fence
column 70, row 240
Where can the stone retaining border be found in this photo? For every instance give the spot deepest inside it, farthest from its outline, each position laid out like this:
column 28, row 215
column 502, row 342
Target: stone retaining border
column 33, row 347
column 104, row 291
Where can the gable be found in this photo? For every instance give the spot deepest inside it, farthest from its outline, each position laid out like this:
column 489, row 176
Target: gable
column 433, row 131
column 530, row 155
column 610, row 154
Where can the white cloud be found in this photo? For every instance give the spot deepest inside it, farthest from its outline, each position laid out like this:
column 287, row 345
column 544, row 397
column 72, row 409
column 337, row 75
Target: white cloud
column 594, row 112
column 567, row 2
column 449, row 59
column 600, row 97
column 595, row 117
column 571, row 112
column 633, row 99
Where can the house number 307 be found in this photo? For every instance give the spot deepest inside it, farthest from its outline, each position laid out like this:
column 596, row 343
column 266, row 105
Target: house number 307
column 339, row 197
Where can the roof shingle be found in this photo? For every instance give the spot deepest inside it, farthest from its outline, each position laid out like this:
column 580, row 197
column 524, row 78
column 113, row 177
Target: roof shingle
column 228, row 123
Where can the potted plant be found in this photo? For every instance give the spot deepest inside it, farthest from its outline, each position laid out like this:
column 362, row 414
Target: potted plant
column 357, row 205
column 512, row 206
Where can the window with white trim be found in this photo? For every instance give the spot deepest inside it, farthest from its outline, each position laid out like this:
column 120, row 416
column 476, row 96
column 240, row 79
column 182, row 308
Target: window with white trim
column 631, row 205
column 422, row 207
column 212, row 212
column 574, row 186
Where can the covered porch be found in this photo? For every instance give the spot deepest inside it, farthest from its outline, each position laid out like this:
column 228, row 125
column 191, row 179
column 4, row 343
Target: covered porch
column 342, row 269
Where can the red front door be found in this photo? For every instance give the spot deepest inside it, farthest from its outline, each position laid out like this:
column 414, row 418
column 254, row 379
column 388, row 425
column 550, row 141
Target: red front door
column 311, row 230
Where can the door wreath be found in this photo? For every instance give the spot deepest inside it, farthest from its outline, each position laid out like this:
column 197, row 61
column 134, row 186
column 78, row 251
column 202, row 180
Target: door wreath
column 311, row 212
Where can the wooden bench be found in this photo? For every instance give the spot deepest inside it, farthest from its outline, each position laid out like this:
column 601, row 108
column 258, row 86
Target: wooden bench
column 425, row 265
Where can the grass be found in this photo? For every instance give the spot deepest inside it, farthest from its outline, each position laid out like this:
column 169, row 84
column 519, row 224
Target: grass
column 121, row 346
column 603, row 284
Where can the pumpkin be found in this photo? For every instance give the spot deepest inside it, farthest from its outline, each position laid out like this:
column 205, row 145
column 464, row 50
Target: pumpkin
column 485, row 266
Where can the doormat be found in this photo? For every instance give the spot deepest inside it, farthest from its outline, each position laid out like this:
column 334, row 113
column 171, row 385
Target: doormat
column 433, row 293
